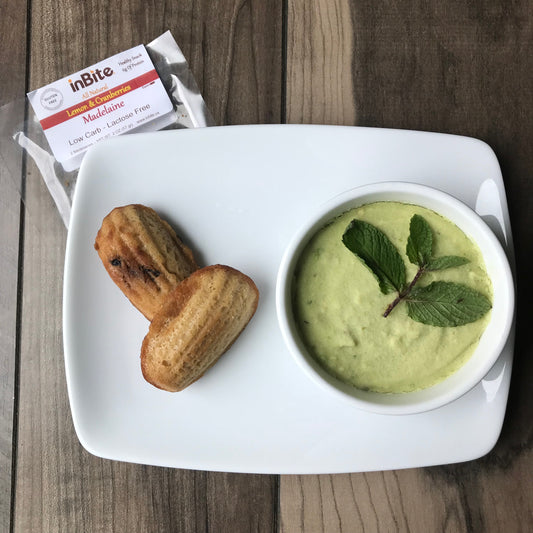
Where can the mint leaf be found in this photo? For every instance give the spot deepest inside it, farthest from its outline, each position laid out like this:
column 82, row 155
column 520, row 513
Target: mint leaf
column 378, row 253
column 446, row 261
column 420, row 241
column 446, row 304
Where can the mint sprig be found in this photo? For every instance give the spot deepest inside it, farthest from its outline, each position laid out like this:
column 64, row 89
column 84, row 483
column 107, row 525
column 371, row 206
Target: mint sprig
column 440, row 303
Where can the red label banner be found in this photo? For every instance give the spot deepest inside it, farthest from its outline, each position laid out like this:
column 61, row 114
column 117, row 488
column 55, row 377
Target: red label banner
column 98, row 100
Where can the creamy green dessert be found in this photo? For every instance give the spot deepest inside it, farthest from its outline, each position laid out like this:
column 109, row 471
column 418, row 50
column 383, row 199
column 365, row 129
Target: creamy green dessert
column 339, row 308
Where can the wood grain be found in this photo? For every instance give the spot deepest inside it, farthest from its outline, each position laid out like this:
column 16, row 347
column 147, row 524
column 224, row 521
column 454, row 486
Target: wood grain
column 450, row 67
column 375, row 501
column 234, row 52
column 319, row 63
column 13, row 40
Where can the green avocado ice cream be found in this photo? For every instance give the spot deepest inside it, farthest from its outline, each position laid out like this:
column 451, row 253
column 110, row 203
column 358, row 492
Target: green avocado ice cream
column 339, row 307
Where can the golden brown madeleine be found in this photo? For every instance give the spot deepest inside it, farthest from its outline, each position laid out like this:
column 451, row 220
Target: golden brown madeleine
column 196, row 324
column 143, row 255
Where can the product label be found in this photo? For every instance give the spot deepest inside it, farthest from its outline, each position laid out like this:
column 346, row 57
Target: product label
column 112, row 97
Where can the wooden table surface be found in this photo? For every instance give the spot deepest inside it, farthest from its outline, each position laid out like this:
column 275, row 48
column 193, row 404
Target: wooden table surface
column 457, row 67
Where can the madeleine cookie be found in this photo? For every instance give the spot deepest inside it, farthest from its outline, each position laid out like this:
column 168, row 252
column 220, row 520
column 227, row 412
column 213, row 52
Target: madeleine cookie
column 143, row 255
column 196, row 324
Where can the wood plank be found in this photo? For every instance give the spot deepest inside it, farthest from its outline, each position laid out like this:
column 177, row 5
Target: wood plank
column 448, row 67
column 234, row 51
column 320, row 42
column 12, row 87
column 374, row 501
column 241, row 70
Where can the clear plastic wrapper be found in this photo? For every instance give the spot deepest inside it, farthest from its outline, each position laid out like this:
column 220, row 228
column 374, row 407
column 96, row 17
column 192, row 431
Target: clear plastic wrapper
column 188, row 111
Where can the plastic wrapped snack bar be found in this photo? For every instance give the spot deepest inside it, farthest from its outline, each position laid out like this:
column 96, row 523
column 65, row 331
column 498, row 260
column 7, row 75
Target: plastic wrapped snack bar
column 145, row 88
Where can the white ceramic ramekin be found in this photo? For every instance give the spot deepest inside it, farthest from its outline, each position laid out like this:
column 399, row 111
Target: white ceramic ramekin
column 492, row 340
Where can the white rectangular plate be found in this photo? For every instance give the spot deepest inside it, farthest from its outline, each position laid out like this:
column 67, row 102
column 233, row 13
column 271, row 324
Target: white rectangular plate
column 236, row 195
